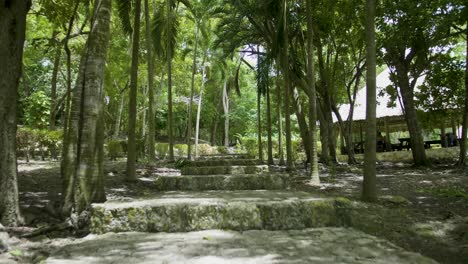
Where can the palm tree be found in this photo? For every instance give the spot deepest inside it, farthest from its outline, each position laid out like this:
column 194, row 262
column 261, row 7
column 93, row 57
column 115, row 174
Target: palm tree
column 314, row 176
column 150, row 153
column 132, row 107
column 369, row 192
column 287, row 83
column 463, row 143
column 199, row 14
column 82, row 166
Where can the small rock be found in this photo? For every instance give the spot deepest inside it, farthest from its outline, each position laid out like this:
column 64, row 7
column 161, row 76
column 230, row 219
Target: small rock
column 4, row 237
column 2, row 228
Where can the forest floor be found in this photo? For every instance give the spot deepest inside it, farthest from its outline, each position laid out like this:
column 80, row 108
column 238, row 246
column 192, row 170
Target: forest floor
column 423, row 210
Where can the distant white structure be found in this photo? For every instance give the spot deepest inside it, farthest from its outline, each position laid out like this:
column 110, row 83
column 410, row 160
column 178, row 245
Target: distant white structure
column 383, row 80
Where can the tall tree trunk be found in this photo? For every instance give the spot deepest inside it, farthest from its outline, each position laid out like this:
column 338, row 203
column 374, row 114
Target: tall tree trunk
column 313, row 173
column 259, row 125
column 280, row 118
column 150, row 142
column 346, row 136
column 170, row 131
column 119, row 117
column 197, row 126
column 369, row 190
column 324, row 154
column 12, row 34
column 65, row 164
column 463, row 143
column 416, row 138
column 287, row 93
column 226, row 115
column 143, row 114
column 192, row 88
column 83, row 165
column 303, row 128
column 269, row 131
column 132, row 106
column 53, row 89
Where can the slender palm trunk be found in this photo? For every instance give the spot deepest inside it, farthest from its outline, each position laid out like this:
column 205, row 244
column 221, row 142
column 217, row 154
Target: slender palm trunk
column 287, row 93
column 143, row 114
column 12, row 35
column 170, row 122
column 68, row 99
column 369, row 190
column 313, row 173
column 53, row 89
column 150, row 151
column 269, row 130
column 119, row 117
column 226, row 115
column 463, row 143
column 83, row 167
column 132, row 106
column 259, row 125
column 280, row 119
column 192, row 88
column 197, row 126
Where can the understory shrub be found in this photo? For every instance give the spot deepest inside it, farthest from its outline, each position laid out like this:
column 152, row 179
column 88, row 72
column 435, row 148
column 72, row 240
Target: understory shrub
column 161, row 150
column 30, row 142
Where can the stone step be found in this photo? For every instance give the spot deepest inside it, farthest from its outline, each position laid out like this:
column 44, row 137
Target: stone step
column 272, row 181
column 224, row 156
column 232, row 210
column 319, row 246
column 223, row 162
column 224, row 170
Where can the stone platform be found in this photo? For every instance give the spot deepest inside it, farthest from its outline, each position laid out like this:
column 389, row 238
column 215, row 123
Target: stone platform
column 271, row 181
column 320, row 245
column 232, row 210
column 227, row 170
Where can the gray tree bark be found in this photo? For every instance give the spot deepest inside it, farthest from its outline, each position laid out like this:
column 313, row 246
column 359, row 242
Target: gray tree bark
column 313, row 173
column 192, row 91
column 12, row 34
column 287, row 93
column 280, row 118
column 463, row 143
column 269, row 130
column 226, row 115
column 170, row 122
column 369, row 190
column 150, row 151
column 82, row 166
column 132, row 106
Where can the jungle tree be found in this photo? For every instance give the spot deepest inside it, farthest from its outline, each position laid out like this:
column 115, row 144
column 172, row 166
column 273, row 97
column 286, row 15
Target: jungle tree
column 369, row 192
column 82, row 165
column 12, row 34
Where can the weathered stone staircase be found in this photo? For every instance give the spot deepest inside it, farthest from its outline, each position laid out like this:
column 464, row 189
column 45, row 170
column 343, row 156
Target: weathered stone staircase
column 277, row 224
column 228, row 194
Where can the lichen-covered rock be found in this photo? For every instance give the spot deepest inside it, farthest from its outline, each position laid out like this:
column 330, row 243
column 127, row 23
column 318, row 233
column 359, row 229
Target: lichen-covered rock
column 4, row 237
column 219, row 170
column 181, row 212
column 222, row 182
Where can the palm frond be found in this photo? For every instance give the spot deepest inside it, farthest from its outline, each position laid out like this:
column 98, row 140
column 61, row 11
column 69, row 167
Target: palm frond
column 124, row 8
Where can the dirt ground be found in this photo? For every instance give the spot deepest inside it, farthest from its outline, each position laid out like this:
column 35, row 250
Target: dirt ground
column 421, row 209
